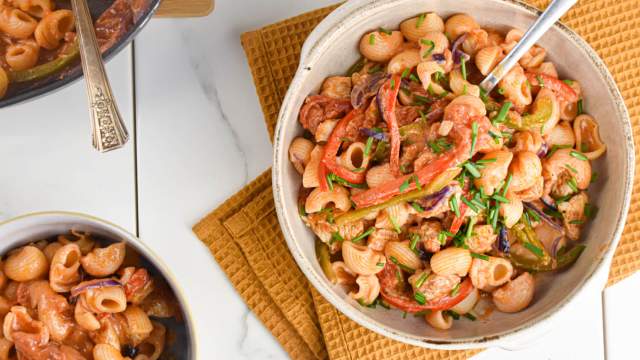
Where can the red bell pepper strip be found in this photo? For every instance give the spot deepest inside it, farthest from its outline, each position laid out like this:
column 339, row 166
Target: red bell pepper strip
column 403, row 300
column 328, row 162
column 556, row 85
column 387, row 99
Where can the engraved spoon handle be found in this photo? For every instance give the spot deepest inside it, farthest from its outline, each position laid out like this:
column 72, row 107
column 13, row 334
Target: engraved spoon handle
column 551, row 14
column 108, row 129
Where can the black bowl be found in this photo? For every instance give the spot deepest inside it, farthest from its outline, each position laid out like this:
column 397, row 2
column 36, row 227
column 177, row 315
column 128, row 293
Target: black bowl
column 19, row 93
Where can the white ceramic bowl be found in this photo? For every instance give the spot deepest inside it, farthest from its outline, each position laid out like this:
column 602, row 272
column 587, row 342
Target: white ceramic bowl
column 37, row 226
column 332, row 48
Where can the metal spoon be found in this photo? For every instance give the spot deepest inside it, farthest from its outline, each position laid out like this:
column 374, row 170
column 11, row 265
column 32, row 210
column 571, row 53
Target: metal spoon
column 108, row 129
column 552, row 13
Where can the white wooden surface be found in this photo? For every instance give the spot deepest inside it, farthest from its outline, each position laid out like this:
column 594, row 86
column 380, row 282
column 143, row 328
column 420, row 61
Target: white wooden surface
column 199, row 138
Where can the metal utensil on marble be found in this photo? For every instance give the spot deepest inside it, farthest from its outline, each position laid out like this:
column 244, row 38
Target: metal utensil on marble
column 108, row 129
column 545, row 21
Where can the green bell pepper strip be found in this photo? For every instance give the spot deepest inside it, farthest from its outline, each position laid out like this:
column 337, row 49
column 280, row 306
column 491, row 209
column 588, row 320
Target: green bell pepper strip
column 563, row 261
column 525, row 234
column 46, row 69
column 324, row 259
column 436, row 185
column 537, row 119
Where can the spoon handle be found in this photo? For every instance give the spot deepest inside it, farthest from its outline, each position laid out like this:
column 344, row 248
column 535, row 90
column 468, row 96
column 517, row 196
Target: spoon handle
column 108, row 129
column 551, row 14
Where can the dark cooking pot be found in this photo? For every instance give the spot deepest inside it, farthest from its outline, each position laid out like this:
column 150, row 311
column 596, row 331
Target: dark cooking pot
column 21, row 92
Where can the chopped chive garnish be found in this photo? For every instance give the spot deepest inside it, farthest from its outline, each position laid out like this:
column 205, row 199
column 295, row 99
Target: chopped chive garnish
column 401, row 266
column 483, row 96
column 405, row 73
column 414, row 78
column 568, row 82
column 421, row 313
column 493, row 216
column 590, row 211
column 576, row 222
column 420, row 298
column 372, row 39
column 439, row 76
column 472, row 169
column 404, row 314
column 463, row 67
column 584, row 147
column 360, row 169
column 534, row 249
column 470, row 204
column 578, row 155
column 439, row 145
column 367, row 147
column 562, row 199
column 420, row 20
column 453, row 205
column 502, row 114
column 301, row 210
column 540, row 80
column 417, row 207
column 385, row 31
column 470, row 316
column 330, row 181
column 472, row 222
column 555, row 148
column 415, row 239
column 453, row 314
column 455, row 290
column 335, row 236
column 380, row 264
column 399, row 276
column 500, row 91
column 393, row 84
column 500, row 198
column 363, row 235
column 383, row 304
column 580, row 110
column 428, row 43
column 486, row 161
column 506, row 185
column 553, row 213
column 571, row 168
column 417, row 182
column 594, row 176
column 442, row 238
column 376, row 68
column 420, row 100
column 480, row 256
column 423, row 277
column 474, row 136
column 335, row 178
column 533, row 215
column 405, row 185
column 395, row 224
column 573, row 184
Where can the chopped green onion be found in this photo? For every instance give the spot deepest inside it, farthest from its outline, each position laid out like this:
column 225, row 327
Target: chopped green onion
column 401, row 266
column 472, row 222
column 393, row 84
column 474, row 136
column 330, row 181
column 594, row 176
column 534, row 249
column 335, row 236
column 453, row 204
column 472, row 169
column 405, row 185
column 571, row 168
column 500, row 198
column 335, row 178
column 573, row 184
column 555, row 148
column 580, row 110
column 553, row 213
column 493, row 216
column 420, row 100
column 420, row 298
column 374, row 69
column 414, row 78
column 578, row 155
column 439, row 145
column 383, row 30
column 502, row 114
column 301, row 210
column 483, row 96
column 420, row 20
column 405, row 73
column 453, row 314
column 428, row 43
column 421, row 313
column 360, row 169
column 480, row 256
column 417, row 207
column 540, row 80
column 568, row 82
column 404, row 314
column 442, row 238
column 463, row 67
column 399, row 276
column 470, row 204
column 417, row 182
column 395, row 224
column 372, row 39
column 576, row 222
column 363, row 235
column 470, row 316
column 415, row 239
column 367, row 147
column 423, row 277
column 590, row 211
column 506, row 185
column 455, row 290
column 486, row 161
column 533, row 215
column 500, row 91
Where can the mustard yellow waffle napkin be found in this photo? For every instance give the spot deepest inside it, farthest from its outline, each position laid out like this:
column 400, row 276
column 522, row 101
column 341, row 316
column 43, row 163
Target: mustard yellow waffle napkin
column 244, row 237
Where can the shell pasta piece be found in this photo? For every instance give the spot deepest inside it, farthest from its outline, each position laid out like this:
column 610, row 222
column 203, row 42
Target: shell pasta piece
column 52, row 28
column 22, row 55
column 16, row 23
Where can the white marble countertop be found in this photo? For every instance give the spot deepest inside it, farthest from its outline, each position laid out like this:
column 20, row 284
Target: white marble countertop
column 185, row 89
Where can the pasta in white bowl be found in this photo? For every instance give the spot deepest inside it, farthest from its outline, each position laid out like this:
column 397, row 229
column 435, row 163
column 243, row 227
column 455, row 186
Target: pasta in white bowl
column 457, row 196
column 70, row 291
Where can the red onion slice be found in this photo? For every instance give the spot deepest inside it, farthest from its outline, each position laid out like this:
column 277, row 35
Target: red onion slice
column 93, row 284
column 366, row 89
column 457, row 53
column 543, row 216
